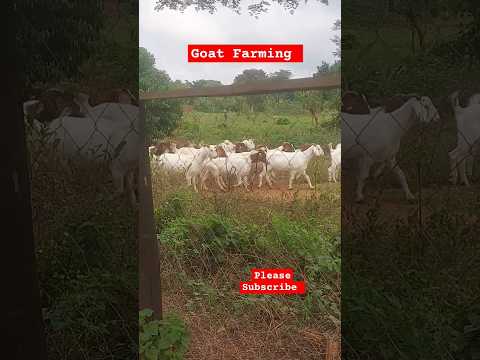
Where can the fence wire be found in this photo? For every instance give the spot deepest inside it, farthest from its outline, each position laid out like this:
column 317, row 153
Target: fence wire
column 83, row 152
column 424, row 141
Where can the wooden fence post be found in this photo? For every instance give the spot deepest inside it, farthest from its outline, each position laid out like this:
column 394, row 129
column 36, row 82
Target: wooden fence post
column 25, row 335
column 150, row 296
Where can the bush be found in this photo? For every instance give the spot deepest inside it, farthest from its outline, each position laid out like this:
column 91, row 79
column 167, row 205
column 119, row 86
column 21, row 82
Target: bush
column 165, row 339
column 87, row 262
column 282, row 121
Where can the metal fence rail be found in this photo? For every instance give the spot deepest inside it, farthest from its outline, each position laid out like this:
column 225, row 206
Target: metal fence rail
column 255, row 88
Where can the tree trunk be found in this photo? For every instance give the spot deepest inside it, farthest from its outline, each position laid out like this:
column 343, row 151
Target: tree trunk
column 314, row 117
column 414, row 23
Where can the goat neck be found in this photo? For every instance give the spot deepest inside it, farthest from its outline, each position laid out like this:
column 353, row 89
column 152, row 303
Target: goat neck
column 406, row 115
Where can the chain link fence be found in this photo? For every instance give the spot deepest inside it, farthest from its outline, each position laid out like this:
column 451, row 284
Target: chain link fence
column 83, row 170
column 83, row 139
column 411, row 118
column 408, row 220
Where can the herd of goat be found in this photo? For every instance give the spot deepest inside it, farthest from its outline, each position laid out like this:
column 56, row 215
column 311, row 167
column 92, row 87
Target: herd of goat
column 244, row 161
column 373, row 135
column 370, row 136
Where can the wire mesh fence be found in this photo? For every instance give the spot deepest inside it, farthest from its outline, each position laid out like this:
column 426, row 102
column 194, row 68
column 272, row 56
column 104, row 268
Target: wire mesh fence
column 83, row 139
column 408, row 221
column 82, row 170
column 437, row 156
column 408, row 113
column 107, row 133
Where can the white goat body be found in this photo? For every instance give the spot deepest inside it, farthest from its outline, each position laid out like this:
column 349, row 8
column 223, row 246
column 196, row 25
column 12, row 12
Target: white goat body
column 110, row 134
column 375, row 138
column 236, row 164
column 197, row 165
column 295, row 163
column 468, row 140
column 174, row 163
column 335, row 164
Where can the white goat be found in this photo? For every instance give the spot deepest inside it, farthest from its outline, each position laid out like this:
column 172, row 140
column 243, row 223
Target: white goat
column 174, row 163
column 295, row 163
column 468, row 138
column 198, row 163
column 228, row 146
column 249, row 143
column 237, row 164
column 377, row 140
column 111, row 130
column 190, row 150
column 335, row 156
column 263, row 173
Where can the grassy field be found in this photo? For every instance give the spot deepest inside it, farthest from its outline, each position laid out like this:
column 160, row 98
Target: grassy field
column 263, row 128
column 211, row 240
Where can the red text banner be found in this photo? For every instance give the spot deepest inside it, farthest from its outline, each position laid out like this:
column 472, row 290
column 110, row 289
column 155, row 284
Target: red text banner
column 272, row 281
column 245, row 53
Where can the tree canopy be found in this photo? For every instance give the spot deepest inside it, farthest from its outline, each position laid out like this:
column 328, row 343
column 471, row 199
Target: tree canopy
column 161, row 116
column 55, row 48
column 255, row 8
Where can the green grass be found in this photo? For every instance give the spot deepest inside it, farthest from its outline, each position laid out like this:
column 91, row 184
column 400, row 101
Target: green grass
column 210, row 241
column 209, row 244
column 412, row 291
column 87, row 262
column 264, row 128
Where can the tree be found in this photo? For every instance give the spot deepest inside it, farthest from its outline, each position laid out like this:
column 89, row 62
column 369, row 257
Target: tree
column 254, row 9
column 337, row 26
column 420, row 14
column 161, row 116
column 281, row 75
column 53, row 50
column 116, row 49
column 205, row 83
column 315, row 101
column 254, row 102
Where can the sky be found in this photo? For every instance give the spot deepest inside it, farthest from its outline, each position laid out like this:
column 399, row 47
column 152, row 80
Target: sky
column 166, row 34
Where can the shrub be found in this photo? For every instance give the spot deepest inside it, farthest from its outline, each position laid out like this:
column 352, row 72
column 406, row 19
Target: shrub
column 282, row 121
column 165, row 339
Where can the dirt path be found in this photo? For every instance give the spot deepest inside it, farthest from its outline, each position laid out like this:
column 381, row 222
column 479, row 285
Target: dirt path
column 391, row 203
column 223, row 337
column 280, row 192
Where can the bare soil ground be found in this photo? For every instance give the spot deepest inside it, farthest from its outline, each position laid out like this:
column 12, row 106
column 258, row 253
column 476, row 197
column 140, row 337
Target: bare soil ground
column 391, row 202
column 280, row 192
column 216, row 337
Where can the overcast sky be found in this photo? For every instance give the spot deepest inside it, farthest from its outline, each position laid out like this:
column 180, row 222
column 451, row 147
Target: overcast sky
column 166, row 34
